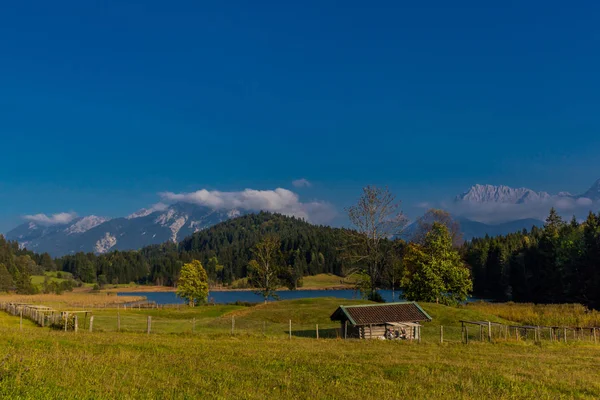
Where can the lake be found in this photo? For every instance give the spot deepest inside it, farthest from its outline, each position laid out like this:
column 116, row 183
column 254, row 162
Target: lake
column 232, row 296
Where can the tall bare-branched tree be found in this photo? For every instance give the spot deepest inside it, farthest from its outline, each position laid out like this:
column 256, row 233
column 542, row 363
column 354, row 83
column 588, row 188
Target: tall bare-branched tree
column 265, row 267
column 375, row 217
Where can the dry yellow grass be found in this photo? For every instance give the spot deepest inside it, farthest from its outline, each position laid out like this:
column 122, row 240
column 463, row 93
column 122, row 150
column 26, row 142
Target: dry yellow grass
column 574, row 315
column 71, row 299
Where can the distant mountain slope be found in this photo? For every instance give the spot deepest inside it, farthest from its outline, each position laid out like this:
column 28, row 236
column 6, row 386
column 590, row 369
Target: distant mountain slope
column 99, row 235
column 593, row 192
column 474, row 229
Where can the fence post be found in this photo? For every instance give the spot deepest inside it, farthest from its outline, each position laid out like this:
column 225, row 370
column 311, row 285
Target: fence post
column 565, row 334
column 595, row 339
column 66, row 321
column 317, row 331
column 489, row 331
column 290, row 330
column 76, row 323
column 149, row 323
column 118, row 322
column 91, row 323
column 441, row 334
column 232, row 324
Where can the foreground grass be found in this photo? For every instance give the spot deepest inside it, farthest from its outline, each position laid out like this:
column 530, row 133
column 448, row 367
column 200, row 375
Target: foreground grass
column 44, row 364
column 41, row 363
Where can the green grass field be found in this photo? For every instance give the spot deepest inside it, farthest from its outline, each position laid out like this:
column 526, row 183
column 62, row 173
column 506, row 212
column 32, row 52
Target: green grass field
column 322, row 281
column 39, row 279
column 173, row 362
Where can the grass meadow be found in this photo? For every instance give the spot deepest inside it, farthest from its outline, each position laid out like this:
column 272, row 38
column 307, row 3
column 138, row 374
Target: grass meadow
column 261, row 361
column 574, row 315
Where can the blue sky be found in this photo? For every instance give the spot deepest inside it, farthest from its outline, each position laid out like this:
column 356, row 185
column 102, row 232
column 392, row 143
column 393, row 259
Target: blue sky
column 105, row 105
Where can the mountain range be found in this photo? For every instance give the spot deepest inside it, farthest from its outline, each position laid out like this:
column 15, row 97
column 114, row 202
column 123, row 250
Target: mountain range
column 177, row 221
column 508, row 195
column 100, row 235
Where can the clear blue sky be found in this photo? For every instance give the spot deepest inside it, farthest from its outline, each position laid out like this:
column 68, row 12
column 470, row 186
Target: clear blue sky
column 104, row 105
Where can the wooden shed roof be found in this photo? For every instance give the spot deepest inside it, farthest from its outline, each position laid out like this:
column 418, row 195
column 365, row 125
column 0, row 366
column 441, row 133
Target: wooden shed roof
column 381, row 313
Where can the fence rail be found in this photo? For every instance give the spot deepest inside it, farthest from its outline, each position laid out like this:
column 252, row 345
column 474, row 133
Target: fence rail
column 150, row 320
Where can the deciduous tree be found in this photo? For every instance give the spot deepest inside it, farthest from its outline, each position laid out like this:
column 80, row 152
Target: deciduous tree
column 376, row 217
column 434, row 271
column 193, row 283
column 265, row 267
column 425, row 223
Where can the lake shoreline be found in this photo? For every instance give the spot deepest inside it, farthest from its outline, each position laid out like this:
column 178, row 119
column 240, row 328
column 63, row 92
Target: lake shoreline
column 162, row 289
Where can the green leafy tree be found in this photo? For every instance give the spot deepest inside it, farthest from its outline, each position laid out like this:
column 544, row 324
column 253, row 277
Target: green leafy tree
column 47, row 263
column 23, row 283
column 6, row 280
column 434, row 271
column 192, row 284
column 424, row 224
column 265, row 267
column 215, row 270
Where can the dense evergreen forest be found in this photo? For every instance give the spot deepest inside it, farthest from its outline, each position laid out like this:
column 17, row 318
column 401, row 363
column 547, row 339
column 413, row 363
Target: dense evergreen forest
column 224, row 249
column 555, row 264
column 18, row 265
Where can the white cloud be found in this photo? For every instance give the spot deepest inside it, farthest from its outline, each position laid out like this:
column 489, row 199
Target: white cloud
column 54, row 219
column 301, row 183
column 280, row 200
column 502, row 212
column 424, row 204
column 159, row 207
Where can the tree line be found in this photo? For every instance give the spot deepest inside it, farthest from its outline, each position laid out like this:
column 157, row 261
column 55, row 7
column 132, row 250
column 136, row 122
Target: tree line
column 558, row 263
column 553, row 264
column 17, row 266
column 225, row 250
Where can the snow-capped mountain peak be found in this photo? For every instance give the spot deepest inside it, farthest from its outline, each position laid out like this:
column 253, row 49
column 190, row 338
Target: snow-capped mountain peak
column 85, row 224
column 141, row 213
column 501, row 194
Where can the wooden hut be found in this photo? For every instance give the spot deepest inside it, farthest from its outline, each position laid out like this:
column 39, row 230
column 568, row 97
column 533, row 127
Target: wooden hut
column 381, row 321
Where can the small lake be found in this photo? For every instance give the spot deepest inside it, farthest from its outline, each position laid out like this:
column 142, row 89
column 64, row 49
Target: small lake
column 225, row 297
column 231, row 296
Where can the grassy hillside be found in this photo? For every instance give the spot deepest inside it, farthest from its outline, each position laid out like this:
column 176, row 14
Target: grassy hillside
column 270, row 319
column 53, row 276
column 325, row 281
column 39, row 363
